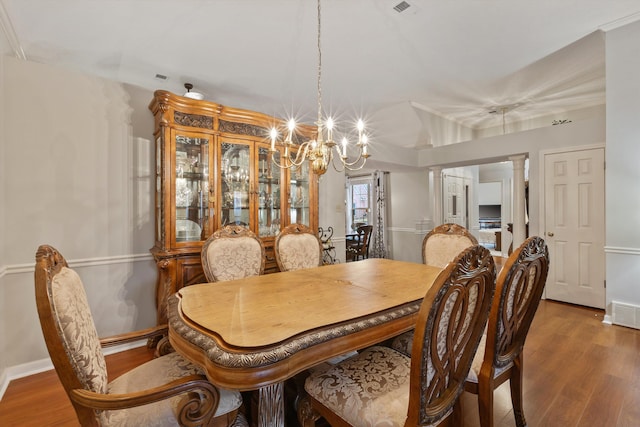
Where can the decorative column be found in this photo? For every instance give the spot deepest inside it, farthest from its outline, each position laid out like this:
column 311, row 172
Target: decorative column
column 519, row 225
column 437, row 195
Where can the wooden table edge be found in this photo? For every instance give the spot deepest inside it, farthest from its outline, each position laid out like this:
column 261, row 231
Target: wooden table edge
column 235, row 369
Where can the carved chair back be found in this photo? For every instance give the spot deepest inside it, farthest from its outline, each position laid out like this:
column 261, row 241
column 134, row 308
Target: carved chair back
column 444, row 242
column 518, row 291
column 450, row 323
column 232, row 252
column 298, row 247
column 166, row 390
column 68, row 329
column 380, row 386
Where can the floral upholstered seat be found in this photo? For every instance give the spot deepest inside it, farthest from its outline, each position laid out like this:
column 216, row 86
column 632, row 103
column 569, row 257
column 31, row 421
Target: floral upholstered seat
column 232, row 252
column 166, row 391
column 382, row 387
column 298, row 247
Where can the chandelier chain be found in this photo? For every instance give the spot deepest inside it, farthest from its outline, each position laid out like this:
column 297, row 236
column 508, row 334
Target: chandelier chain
column 319, row 68
column 319, row 151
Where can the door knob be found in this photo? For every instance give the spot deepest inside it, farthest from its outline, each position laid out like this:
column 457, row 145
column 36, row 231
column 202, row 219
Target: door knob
column 550, row 233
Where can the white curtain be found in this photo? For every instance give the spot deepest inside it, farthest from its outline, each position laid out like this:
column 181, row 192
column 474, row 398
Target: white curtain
column 378, row 248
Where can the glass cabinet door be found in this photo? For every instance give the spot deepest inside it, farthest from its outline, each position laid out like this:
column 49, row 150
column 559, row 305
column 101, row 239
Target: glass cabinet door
column 299, row 194
column 191, row 186
column 236, row 177
column 269, row 194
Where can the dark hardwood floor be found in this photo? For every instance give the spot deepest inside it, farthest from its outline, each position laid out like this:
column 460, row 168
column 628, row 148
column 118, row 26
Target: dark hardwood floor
column 578, row 372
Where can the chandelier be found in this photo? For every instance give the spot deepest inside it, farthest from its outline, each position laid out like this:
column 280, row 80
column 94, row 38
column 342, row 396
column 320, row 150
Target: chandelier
column 319, row 151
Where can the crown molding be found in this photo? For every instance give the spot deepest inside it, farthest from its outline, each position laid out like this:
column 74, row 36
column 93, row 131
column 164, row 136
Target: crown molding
column 621, row 22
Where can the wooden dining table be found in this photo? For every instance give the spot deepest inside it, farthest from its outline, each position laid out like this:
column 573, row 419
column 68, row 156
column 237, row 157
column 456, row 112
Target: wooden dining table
column 255, row 333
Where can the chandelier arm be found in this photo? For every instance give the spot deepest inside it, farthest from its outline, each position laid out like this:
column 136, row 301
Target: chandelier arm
column 349, row 167
column 344, row 161
column 289, row 163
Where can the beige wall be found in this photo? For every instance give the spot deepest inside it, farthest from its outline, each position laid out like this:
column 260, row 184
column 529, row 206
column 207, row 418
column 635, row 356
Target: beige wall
column 622, row 245
column 332, row 208
column 74, row 182
column 3, row 299
column 409, row 204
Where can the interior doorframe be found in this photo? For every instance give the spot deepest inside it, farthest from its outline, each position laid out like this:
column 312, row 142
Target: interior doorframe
column 542, row 195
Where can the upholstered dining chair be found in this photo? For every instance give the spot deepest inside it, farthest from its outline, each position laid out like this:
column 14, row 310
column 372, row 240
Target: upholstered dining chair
column 298, row 247
column 357, row 245
column 232, row 252
column 499, row 357
column 165, row 391
column 439, row 247
column 444, row 242
column 382, row 387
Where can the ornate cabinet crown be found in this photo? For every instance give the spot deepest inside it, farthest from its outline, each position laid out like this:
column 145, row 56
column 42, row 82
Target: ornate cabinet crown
column 213, row 167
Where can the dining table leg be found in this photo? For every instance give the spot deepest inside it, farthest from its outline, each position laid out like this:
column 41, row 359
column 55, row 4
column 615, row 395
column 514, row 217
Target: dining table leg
column 271, row 405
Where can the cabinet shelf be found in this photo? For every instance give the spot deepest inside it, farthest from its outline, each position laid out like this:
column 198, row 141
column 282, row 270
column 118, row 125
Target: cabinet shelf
column 273, row 181
column 193, row 176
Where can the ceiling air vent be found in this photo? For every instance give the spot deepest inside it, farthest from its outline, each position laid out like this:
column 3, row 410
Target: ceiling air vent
column 401, row 7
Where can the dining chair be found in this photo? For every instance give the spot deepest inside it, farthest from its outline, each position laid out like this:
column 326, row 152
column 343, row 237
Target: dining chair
column 444, row 242
column 499, row 357
column 165, row 391
column 297, row 247
column 357, row 245
column 439, row 247
column 382, row 387
column 232, row 252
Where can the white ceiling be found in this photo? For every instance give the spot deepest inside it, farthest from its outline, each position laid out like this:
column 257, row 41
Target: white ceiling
column 455, row 58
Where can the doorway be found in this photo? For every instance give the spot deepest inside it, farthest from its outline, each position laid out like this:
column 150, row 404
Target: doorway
column 456, row 203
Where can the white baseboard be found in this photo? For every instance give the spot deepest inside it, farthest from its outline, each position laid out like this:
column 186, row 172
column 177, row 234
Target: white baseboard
column 31, row 368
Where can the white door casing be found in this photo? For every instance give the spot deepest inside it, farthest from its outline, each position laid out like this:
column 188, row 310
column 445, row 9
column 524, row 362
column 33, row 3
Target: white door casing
column 574, row 226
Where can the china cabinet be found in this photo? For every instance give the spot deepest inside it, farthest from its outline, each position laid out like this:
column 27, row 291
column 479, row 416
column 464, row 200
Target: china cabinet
column 214, row 167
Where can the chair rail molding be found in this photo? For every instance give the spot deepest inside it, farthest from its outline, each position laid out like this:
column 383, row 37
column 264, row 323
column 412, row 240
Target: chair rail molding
column 407, row 230
column 85, row 262
column 621, row 250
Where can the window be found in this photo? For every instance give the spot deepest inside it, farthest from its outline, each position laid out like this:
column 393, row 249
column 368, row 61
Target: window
column 359, row 200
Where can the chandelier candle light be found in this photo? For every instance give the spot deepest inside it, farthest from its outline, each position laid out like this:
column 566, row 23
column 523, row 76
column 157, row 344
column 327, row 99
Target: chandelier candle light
column 319, row 152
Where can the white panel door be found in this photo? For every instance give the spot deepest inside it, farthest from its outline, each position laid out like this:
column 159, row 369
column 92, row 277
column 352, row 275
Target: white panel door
column 455, row 206
column 574, row 226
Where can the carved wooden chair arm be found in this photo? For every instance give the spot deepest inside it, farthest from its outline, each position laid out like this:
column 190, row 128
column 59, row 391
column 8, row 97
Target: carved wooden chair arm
column 156, row 331
column 200, row 402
